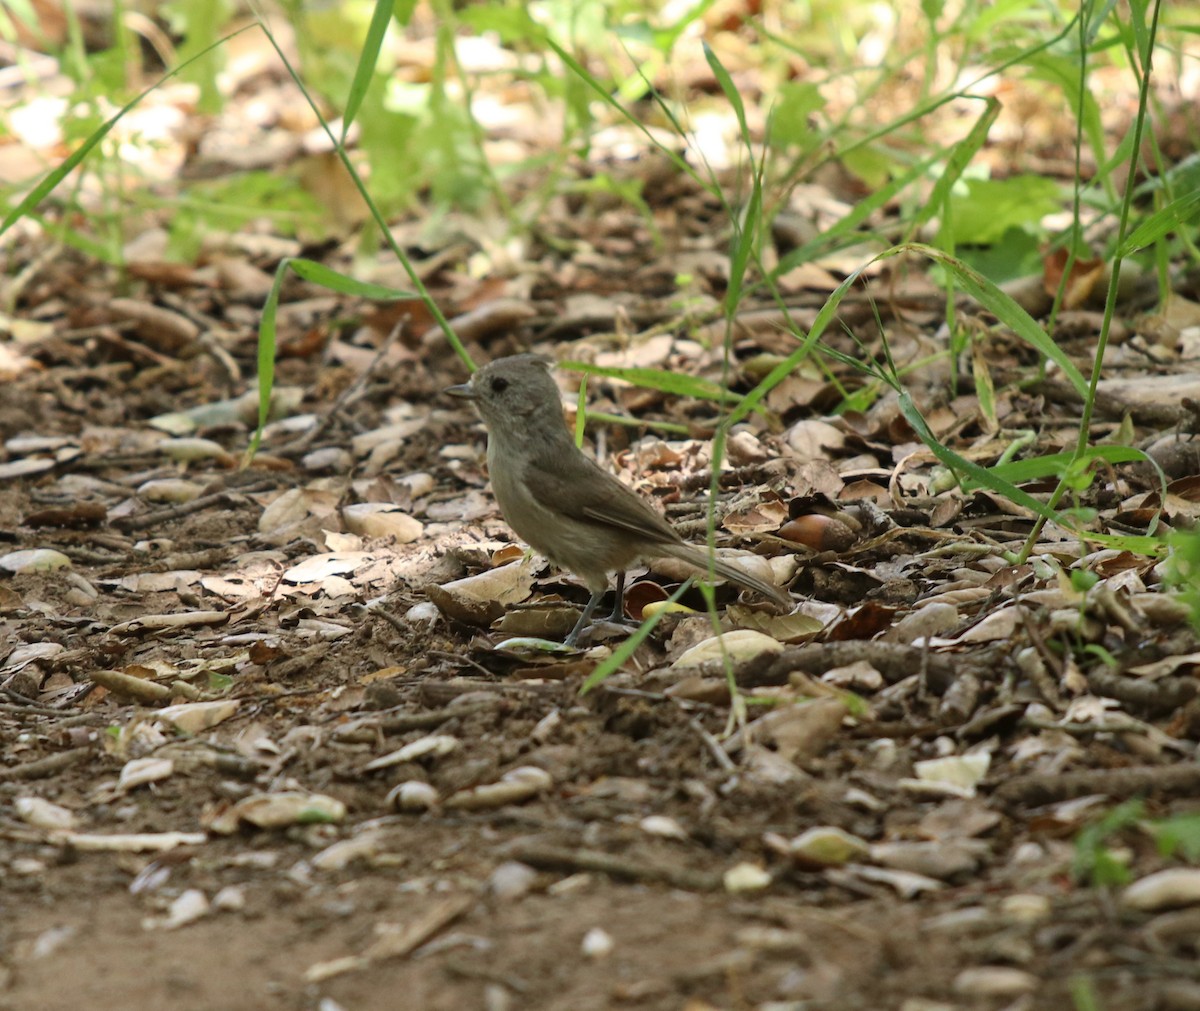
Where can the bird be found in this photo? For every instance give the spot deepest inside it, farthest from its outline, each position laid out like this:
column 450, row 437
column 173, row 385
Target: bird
column 560, row 501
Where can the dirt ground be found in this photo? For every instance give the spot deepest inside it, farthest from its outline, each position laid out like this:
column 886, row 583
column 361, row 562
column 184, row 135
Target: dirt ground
column 650, row 865
column 272, row 734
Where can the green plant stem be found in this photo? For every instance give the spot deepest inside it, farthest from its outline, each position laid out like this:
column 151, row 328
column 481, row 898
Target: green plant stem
column 670, row 427
column 1110, row 303
column 1077, row 189
column 344, row 157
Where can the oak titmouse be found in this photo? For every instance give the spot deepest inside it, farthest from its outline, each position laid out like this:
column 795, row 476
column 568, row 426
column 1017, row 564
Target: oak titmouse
column 559, row 501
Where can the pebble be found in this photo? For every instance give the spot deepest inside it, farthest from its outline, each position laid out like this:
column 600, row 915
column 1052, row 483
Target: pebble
column 511, row 880
column 994, row 981
column 597, row 943
column 1169, row 889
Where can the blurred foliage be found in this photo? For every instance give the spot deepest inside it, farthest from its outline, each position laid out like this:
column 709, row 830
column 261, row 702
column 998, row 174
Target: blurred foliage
column 901, row 102
column 1101, row 862
column 1097, row 861
column 867, row 87
column 1183, row 570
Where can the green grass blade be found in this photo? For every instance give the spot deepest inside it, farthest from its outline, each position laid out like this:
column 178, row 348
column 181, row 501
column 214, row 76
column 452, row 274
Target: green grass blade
column 57, row 174
column 731, row 93
column 373, row 208
column 745, row 234
column 1166, row 219
column 1057, row 464
column 604, row 94
column 674, row 383
column 960, row 157
column 986, row 478
column 961, row 465
column 266, row 355
column 343, row 284
column 1006, row 311
column 860, row 212
column 366, row 62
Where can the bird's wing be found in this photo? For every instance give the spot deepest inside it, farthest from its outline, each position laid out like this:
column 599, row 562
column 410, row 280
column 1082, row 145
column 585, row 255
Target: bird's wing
column 573, row 485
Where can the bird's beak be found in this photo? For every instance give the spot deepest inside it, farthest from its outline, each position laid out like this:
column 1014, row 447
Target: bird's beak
column 463, row 390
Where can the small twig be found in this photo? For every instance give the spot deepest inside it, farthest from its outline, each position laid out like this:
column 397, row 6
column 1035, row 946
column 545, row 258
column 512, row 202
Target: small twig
column 24, row 705
column 18, row 709
column 306, row 439
column 714, row 746
column 226, row 495
column 1085, row 729
column 383, row 612
column 1036, row 671
column 1037, row 789
column 561, row 858
column 44, row 767
column 895, row 661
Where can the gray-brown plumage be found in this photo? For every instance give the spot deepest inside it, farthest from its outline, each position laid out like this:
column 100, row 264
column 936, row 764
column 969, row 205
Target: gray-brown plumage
column 558, row 500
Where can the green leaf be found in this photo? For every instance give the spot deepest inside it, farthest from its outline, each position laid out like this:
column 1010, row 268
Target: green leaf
column 1094, row 862
column 990, row 207
column 318, row 273
column 1083, row 580
column 1018, row 253
column 367, row 59
column 1007, row 311
column 960, row 157
column 795, row 102
column 1179, row 835
column 1166, row 219
column 675, row 383
column 732, row 95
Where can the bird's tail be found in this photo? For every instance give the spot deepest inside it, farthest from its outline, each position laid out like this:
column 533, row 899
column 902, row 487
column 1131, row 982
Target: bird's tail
column 734, row 573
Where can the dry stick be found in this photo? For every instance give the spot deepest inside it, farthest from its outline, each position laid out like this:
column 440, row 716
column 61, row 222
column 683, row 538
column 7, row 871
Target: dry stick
column 440, row 693
column 1037, row 789
column 61, row 722
column 714, row 746
column 367, row 728
column 23, row 708
column 1087, row 729
column 562, row 858
column 1046, row 686
column 894, row 661
column 44, row 767
column 1153, row 697
column 150, row 519
column 397, row 623
column 306, row 439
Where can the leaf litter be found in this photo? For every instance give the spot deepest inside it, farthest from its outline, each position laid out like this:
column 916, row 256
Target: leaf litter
column 298, row 701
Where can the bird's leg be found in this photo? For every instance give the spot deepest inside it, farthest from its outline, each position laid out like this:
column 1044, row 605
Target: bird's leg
column 585, row 617
column 618, row 611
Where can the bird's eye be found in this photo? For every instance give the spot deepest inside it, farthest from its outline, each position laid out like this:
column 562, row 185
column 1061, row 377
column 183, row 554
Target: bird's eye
column 499, row 384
